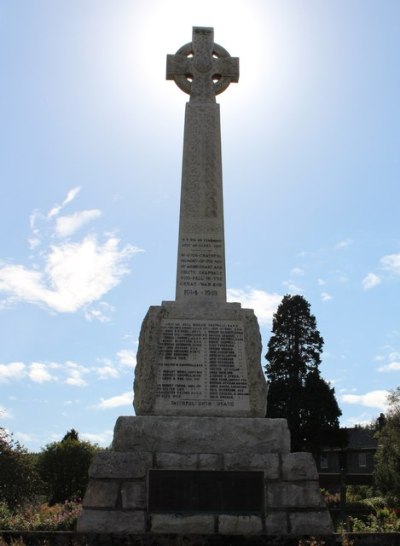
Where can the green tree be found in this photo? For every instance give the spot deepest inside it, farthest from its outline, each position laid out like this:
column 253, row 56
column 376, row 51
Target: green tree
column 297, row 392
column 63, row 467
column 387, row 467
column 19, row 481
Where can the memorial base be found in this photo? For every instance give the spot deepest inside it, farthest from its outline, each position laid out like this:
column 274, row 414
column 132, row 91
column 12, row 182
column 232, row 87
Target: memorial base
column 203, row 475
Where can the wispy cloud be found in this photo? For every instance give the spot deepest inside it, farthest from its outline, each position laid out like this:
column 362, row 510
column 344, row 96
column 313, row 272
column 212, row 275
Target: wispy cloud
column 391, row 263
column 325, row 296
column 102, row 438
column 54, row 211
column 127, row 358
column 124, row 399
column 370, row 281
column 68, row 225
column 263, row 303
column 297, row 271
column 75, row 373
column 374, row 399
column 292, row 288
column 393, row 359
column 343, row 244
column 5, row 413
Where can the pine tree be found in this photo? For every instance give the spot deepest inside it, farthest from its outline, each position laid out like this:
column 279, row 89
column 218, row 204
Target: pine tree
column 297, row 392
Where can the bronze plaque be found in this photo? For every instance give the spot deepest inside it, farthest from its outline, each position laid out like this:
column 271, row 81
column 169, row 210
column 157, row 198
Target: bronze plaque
column 203, row 491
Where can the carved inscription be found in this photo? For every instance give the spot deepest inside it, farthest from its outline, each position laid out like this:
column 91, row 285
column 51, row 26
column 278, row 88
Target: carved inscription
column 202, row 365
column 201, row 268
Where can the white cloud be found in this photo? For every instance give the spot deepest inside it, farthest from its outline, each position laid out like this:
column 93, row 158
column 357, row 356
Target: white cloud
column 67, row 225
column 99, row 312
column 392, row 367
column 124, row 399
column 39, row 374
column 391, row 262
column 292, row 288
column 343, row 244
column 127, row 357
column 25, row 438
column 102, row 438
column 264, row 304
column 297, row 271
column 70, row 197
column 374, row 399
column 12, row 372
column 75, row 374
column 321, row 282
column 5, row 413
column 325, row 296
column 75, row 275
column 107, row 372
column 370, row 281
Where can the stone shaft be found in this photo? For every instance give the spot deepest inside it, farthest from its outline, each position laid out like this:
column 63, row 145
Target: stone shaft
column 201, row 247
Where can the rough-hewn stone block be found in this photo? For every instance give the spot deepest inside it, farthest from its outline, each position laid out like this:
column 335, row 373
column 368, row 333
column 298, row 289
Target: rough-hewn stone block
column 209, row 461
column 171, row 523
column 276, row 523
column 294, row 495
column 201, row 434
column 317, row 523
column 104, row 521
column 133, row 495
column 186, row 461
column 239, row 525
column 299, row 466
column 111, row 464
column 268, row 462
column 101, row 494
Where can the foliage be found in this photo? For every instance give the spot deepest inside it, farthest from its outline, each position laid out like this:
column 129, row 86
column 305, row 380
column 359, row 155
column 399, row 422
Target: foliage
column 387, row 467
column 19, row 480
column 312, row 541
column 40, row 517
column 63, row 467
column 297, row 392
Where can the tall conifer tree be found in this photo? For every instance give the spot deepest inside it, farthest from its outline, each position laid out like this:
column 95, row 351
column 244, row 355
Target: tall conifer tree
column 297, row 392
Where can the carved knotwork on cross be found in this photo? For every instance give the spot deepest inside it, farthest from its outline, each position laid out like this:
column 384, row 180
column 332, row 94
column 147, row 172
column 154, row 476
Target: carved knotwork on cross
column 202, row 68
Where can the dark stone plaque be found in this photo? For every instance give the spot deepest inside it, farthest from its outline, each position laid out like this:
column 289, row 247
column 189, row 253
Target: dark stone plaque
column 202, row 491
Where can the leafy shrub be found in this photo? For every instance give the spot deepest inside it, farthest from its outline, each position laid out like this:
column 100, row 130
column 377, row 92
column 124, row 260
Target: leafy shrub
column 40, row 517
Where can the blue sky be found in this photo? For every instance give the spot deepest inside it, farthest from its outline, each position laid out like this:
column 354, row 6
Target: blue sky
column 90, row 161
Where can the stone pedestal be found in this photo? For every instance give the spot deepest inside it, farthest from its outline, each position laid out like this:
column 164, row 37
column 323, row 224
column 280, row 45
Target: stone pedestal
column 201, row 359
column 119, row 495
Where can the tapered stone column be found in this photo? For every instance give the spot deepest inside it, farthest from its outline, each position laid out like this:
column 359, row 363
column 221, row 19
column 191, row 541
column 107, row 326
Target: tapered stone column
column 202, row 69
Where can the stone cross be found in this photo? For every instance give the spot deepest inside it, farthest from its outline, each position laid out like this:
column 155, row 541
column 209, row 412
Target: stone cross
column 203, row 69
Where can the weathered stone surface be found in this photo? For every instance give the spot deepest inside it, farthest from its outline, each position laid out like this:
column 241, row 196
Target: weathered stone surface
column 101, row 494
column 276, row 523
column 239, row 525
column 268, row 462
column 209, row 461
column 201, row 435
column 186, row 461
column 111, row 464
column 247, row 400
column 316, row 523
column 133, row 495
column 294, row 495
column 171, row 523
column 299, row 466
column 105, row 521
